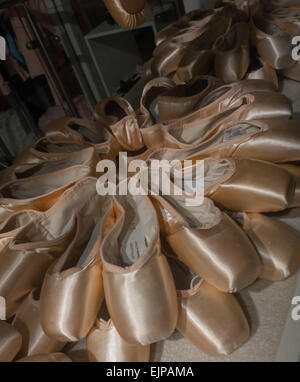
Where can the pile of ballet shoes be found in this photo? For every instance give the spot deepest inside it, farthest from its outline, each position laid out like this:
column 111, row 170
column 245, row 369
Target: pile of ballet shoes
column 236, row 40
column 125, row 272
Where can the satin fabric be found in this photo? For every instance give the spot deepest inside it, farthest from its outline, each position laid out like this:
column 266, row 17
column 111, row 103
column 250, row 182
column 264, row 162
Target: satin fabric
column 253, row 186
column 245, row 100
column 277, row 243
column 87, row 157
column 39, row 193
column 129, row 15
column 13, row 225
column 151, row 92
column 212, row 320
column 220, row 253
column 118, row 115
column 272, row 140
column 104, row 344
column 141, row 298
column 199, row 56
column 265, row 72
column 295, row 172
column 37, row 242
column 54, row 357
column 27, row 322
column 85, row 132
column 232, row 54
column 47, row 149
column 23, row 264
column 72, row 291
column 10, row 342
column 183, row 99
column 272, row 43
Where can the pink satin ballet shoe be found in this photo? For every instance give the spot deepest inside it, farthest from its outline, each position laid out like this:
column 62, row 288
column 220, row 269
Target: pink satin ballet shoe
column 84, row 132
column 232, row 53
column 72, row 290
column 211, row 320
column 202, row 237
column 139, row 289
column 295, row 172
column 119, row 117
column 277, row 244
column 104, row 344
column 27, row 322
column 10, row 342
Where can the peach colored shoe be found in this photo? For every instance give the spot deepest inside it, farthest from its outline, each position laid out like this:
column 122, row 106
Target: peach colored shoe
column 10, row 342
column 138, row 284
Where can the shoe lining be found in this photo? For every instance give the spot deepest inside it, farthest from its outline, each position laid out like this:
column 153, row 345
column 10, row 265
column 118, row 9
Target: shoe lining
column 214, row 96
column 214, row 170
column 188, row 90
column 137, row 233
column 79, row 158
column 98, row 136
column 197, row 132
column 205, row 216
column 31, row 188
column 17, row 221
column 55, row 148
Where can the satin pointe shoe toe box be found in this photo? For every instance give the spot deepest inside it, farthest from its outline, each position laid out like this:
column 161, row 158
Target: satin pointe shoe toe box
column 104, row 344
column 10, row 342
column 138, row 284
column 212, row 320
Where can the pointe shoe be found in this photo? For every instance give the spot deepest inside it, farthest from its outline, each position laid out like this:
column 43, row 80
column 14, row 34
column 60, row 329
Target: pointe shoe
column 171, row 30
column 232, row 56
column 277, row 244
column 295, row 172
column 55, row 357
column 31, row 257
column 39, row 243
column 104, row 344
column 138, row 284
column 272, row 140
column 273, row 44
column 211, row 320
column 119, row 117
column 147, row 114
column 47, row 149
column 72, row 291
column 13, row 225
column 199, row 56
column 248, row 185
column 209, row 242
column 183, row 99
column 86, row 157
column 245, row 100
column 192, row 20
column 27, row 322
column 262, row 71
column 10, row 342
column 70, row 201
column 41, row 192
column 84, row 132
column 200, row 128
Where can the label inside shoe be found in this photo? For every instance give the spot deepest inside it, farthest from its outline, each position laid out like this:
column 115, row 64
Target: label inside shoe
column 134, row 242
